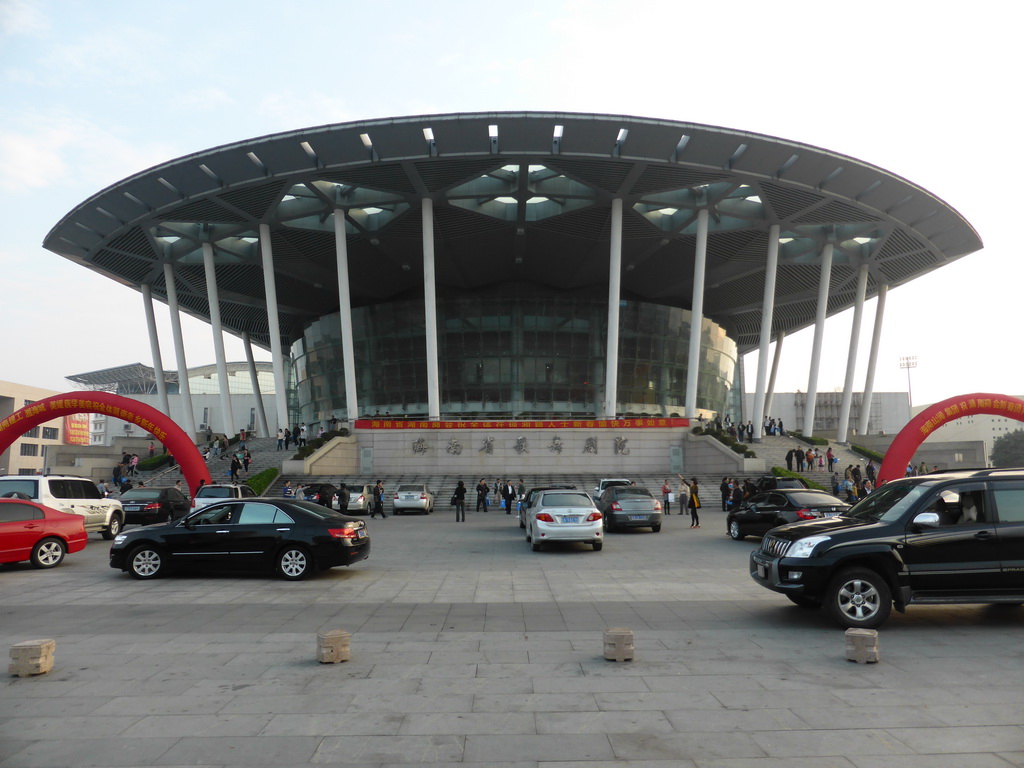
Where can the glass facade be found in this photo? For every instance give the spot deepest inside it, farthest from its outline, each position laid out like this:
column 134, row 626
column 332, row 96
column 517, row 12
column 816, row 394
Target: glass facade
column 513, row 356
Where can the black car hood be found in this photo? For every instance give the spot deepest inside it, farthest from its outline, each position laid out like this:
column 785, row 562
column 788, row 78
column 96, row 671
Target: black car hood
column 826, row 526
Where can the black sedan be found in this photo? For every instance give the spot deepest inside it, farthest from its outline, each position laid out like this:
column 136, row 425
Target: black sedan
column 294, row 538
column 764, row 511
column 154, row 504
column 629, row 506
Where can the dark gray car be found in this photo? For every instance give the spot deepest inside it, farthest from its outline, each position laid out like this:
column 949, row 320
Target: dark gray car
column 629, row 506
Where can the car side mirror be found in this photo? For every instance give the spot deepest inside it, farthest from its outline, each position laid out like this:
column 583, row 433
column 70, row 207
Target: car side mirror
column 927, row 520
column 752, row 508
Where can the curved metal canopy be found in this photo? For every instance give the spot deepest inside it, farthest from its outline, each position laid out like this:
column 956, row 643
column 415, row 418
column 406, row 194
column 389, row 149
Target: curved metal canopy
column 520, row 199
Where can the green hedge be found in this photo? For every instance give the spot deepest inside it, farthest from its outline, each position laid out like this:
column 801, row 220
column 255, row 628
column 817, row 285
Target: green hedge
column 868, row 453
column 809, row 440
column 160, row 460
column 263, row 480
column 726, row 439
column 783, row 472
column 316, row 443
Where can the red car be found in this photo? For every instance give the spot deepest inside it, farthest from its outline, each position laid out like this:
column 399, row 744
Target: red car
column 40, row 534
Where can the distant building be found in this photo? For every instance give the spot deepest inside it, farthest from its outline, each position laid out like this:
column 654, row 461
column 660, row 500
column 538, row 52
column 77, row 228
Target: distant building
column 888, row 412
column 27, row 455
column 138, row 381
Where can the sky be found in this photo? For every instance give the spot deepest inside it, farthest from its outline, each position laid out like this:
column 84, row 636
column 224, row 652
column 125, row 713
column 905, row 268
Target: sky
column 94, row 91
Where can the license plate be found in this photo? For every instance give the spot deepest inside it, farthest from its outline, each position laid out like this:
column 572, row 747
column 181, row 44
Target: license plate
column 638, row 517
column 572, row 519
column 762, row 571
column 361, row 533
column 131, row 508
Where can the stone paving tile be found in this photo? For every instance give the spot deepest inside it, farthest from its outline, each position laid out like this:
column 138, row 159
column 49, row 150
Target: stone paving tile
column 198, row 725
column 867, row 717
column 634, row 721
column 239, row 750
column 535, row 702
column 974, row 760
column 464, row 723
column 540, row 747
column 45, row 724
column 140, row 706
column 683, row 746
column 269, row 702
column 968, row 739
column 588, row 684
column 409, row 703
column 846, row 742
column 322, row 724
column 398, row 750
column 102, row 753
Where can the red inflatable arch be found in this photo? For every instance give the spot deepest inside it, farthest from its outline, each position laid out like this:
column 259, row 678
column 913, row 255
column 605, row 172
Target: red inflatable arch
column 150, row 419
column 901, row 452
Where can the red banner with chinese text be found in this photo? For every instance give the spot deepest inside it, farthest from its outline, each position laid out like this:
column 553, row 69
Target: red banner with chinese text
column 638, row 423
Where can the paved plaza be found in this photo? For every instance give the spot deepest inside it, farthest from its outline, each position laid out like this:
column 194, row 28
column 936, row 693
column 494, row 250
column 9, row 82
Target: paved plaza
column 469, row 649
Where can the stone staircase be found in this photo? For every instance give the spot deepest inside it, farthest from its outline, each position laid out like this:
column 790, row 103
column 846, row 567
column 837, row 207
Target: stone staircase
column 773, row 450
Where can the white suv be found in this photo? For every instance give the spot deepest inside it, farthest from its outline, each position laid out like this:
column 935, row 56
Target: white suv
column 75, row 495
column 211, row 494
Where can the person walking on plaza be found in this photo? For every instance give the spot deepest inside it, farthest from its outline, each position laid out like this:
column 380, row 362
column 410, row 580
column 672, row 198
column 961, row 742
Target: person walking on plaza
column 666, row 496
column 694, row 504
column 280, row 439
column 344, row 497
column 236, row 465
column 508, row 494
column 483, row 493
column 287, row 491
column 459, row 499
column 378, row 500
column 246, row 460
column 152, row 450
column 726, row 489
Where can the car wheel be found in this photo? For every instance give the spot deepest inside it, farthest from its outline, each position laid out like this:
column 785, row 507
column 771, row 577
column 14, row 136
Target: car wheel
column 114, row 528
column 48, row 553
column 294, row 563
column 656, row 528
column 804, row 602
column 735, row 532
column 859, row 598
column 598, row 546
column 145, row 562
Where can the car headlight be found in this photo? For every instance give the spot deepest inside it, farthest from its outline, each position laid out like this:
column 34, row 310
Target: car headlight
column 804, row 547
column 119, row 539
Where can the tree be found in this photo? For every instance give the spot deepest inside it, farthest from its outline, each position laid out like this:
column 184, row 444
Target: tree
column 1008, row 450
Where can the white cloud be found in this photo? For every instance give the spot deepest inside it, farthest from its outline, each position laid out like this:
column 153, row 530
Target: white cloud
column 302, row 109
column 20, row 18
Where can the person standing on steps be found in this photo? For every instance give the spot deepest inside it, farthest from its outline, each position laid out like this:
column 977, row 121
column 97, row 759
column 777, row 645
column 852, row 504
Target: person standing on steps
column 378, row 500
column 483, row 493
column 694, row 504
column 666, row 496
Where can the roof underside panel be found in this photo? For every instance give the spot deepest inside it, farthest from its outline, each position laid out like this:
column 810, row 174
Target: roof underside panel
column 522, row 225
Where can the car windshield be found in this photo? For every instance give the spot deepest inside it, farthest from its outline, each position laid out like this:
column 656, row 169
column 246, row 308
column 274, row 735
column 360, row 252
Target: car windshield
column 810, row 499
column 888, row 503
column 141, row 494
column 565, row 500
column 215, row 492
column 411, row 488
column 623, row 493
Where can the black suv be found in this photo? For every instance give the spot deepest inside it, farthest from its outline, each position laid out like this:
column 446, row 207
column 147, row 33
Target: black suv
column 952, row 537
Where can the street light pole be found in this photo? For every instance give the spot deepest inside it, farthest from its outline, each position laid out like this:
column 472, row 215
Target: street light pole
column 908, row 363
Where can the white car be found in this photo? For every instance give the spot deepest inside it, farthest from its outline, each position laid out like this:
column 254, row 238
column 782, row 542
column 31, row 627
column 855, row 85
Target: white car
column 211, row 494
column 411, row 497
column 564, row 515
column 66, row 493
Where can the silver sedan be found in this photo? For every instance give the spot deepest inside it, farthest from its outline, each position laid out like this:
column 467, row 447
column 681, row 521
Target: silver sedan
column 412, row 497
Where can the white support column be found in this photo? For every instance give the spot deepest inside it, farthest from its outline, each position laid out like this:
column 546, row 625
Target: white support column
column 228, row 426
column 611, row 354
column 154, row 348
column 819, row 335
column 869, row 380
column 851, row 358
column 767, row 310
column 274, row 327
column 254, row 378
column 697, row 313
column 184, row 391
column 770, row 394
column 348, row 347
column 430, row 312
